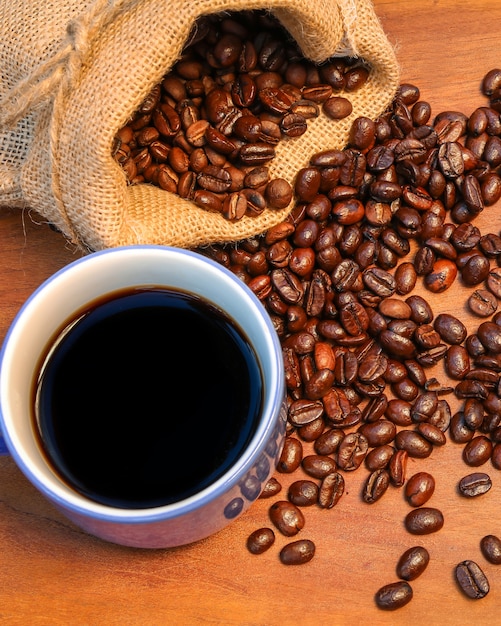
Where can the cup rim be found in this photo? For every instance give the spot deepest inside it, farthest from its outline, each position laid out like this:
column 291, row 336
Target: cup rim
column 71, row 500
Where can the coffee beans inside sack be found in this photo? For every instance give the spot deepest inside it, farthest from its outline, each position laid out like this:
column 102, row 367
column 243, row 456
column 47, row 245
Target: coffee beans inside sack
column 81, row 82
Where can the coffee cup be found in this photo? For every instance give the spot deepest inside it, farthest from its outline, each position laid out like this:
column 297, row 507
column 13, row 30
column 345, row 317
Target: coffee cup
column 142, row 392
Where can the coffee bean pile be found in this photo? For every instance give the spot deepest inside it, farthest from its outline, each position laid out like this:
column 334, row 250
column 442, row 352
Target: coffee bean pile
column 395, row 208
column 209, row 131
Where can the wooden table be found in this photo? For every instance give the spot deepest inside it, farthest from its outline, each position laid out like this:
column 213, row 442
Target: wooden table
column 52, row 573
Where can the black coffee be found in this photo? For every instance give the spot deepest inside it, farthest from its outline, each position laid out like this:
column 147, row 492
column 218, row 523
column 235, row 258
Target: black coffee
column 147, row 397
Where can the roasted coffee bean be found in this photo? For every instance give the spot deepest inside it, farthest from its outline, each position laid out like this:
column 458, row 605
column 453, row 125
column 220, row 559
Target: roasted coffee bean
column 311, row 431
column 303, row 493
column 379, row 432
column 328, row 442
column 475, row 270
column 473, row 412
column 457, row 362
column 394, row 595
column 421, row 311
column 399, row 412
column 291, row 456
column 260, row 540
column 331, row 489
column 398, row 467
column 376, row 485
column 489, row 334
column 443, row 273
column 477, row 451
column 471, row 580
column 450, row 328
column 432, row 433
column 413, row 563
column 419, row 488
column 379, row 281
column 318, row 465
column 493, row 282
column 424, row 520
column 424, row 406
column 491, row 549
column 405, row 278
column 413, row 443
column 474, row 485
column 482, row 303
column 375, row 408
column 351, row 451
column 397, row 345
column 337, row 107
column 303, row 412
column 297, row 552
column 286, row 517
column 379, row 457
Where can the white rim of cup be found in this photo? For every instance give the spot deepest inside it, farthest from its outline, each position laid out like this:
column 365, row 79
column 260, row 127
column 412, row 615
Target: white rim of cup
column 67, row 498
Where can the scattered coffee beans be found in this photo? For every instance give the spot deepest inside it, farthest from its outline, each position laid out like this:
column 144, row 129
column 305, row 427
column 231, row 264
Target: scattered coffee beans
column 394, row 209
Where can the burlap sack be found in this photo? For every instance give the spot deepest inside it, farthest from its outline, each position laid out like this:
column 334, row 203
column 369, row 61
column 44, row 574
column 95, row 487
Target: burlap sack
column 74, row 71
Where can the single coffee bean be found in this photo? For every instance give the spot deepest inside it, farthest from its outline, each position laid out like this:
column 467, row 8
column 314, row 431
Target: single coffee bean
column 434, row 434
column 412, row 563
column 297, row 552
column 304, row 411
column 489, row 334
column 394, row 595
column 398, row 467
column 379, row 457
column 260, row 540
column 331, row 490
column 477, row 451
column 379, row 432
column 419, row 488
column 328, row 442
column 376, row 485
column 482, row 303
column 494, row 282
column 450, row 328
column 441, row 277
column 291, row 456
column 413, row 443
column 318, row 466
column 424, row 520
column 287, row 517
column 474, row 485
column 352, row 451
column 471, row 580
column 337, row 107
column 491, row 549
column 303, row 493
column 457, row 362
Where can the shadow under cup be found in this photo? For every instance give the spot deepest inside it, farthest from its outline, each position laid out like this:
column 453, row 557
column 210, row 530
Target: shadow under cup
column 55, row 303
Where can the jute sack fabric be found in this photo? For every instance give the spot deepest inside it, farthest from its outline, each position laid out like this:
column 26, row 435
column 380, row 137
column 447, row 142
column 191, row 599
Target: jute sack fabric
column 74, row 71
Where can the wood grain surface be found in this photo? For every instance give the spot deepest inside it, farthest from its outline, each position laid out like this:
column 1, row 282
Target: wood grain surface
column 51, row 573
